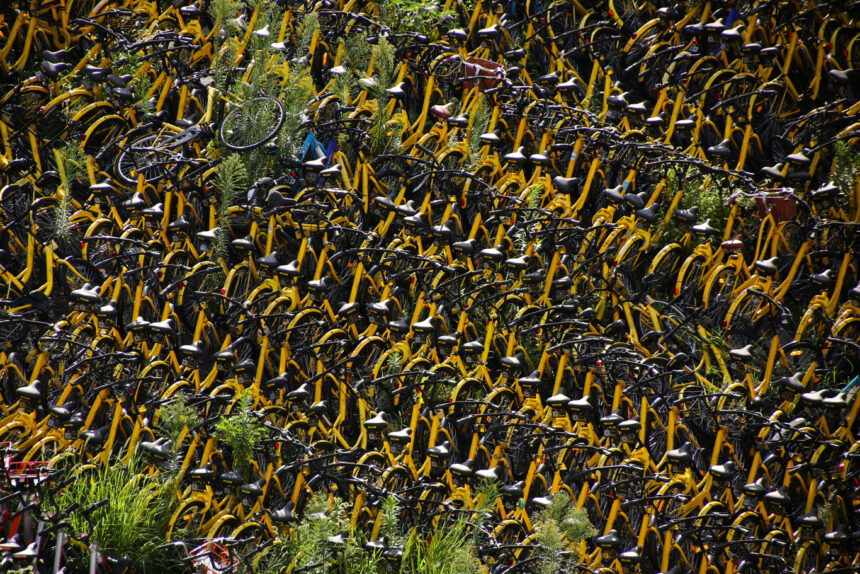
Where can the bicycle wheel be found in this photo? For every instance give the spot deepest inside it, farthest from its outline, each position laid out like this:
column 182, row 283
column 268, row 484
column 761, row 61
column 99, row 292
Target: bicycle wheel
column 143, row 157
column 252, row 124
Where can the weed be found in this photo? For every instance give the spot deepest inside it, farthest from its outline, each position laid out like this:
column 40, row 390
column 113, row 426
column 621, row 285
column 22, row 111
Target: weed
column 133, row 521
column 175, row 416
column 426, row 18
column 559, row 526
column 242, row 432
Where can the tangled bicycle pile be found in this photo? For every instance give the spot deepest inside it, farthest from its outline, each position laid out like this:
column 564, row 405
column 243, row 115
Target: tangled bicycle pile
column 475, row 287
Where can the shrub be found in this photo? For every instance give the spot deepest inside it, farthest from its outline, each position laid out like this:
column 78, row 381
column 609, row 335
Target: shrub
column 241, row 431
column 133, row 522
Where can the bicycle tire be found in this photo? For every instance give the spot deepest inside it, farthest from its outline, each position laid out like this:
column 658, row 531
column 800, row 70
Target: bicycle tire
column 139, row 156
column 247, row 120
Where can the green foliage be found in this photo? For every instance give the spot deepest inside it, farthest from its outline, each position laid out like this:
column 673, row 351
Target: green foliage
column 419, row 16
column 530, row 206
column 175, row 416
column 74, row 166
column 697, row 191
column 230, row 180
column 141, row 88
column 310, row 25
column 480, row 125
column 706, row 195
column 559, row 526
column 384, row 65
column 486, row 496
column 358, row 51
column 241, row 431
column 388, row 528
column 308, row 544
column 846, row 166
column 394, row 362
column 449, row 550
column 294, row 98
column 134, row 520
column 223, row 11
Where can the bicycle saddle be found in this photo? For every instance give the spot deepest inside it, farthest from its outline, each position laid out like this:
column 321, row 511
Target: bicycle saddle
column 284, row 515
column 491, row 138
column 385, row 308
column 28, row 553
column 31, row 391
column 95, row 437
column 162, row 327
column 721, row 150
column 636, row 200
column 843, row 77
column 253, row 489
column 425, row 326
column 463, row 471
column 539, row 159
column 442, row 112
column 55, row 57
column 811, row 521
column 276, row 200
column 300, row 394
column 617, row 101
column 629, row 427
column 492, row 254
column 778, row 497
column 406, row 209
column 827, row 191
column 159, row 448
column 685, row 125
column 232, row 478
column 682, row 455
column 417, row 220
column 243, row 243
column 705, row 228
column 609, row 541
column 613, row 194
column 836, row 402
column 53, row 70
column 550, row 79
column 11, row 545
column 572, row 84
column 724, row 471
column 823, row 279
column 767, row 266
column 649, row 214
column 733, row 244
column 566, row 185
column 516, row 158
column 400, row 326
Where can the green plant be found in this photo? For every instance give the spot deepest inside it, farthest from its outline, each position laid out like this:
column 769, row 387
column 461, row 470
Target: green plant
column 383, row 64
column 175, row 416
column 223, row 12
column 133, row 521
column 310, row 24
column 449, row 550
column 358, row 51
column 74, row 161
column 479, row 127
column 312, row 543
column 531, row 204
column 229, row 182
column 241, row 431
column 294, row 98
column 419, row 16
column 559, row 526
column 846, row 166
